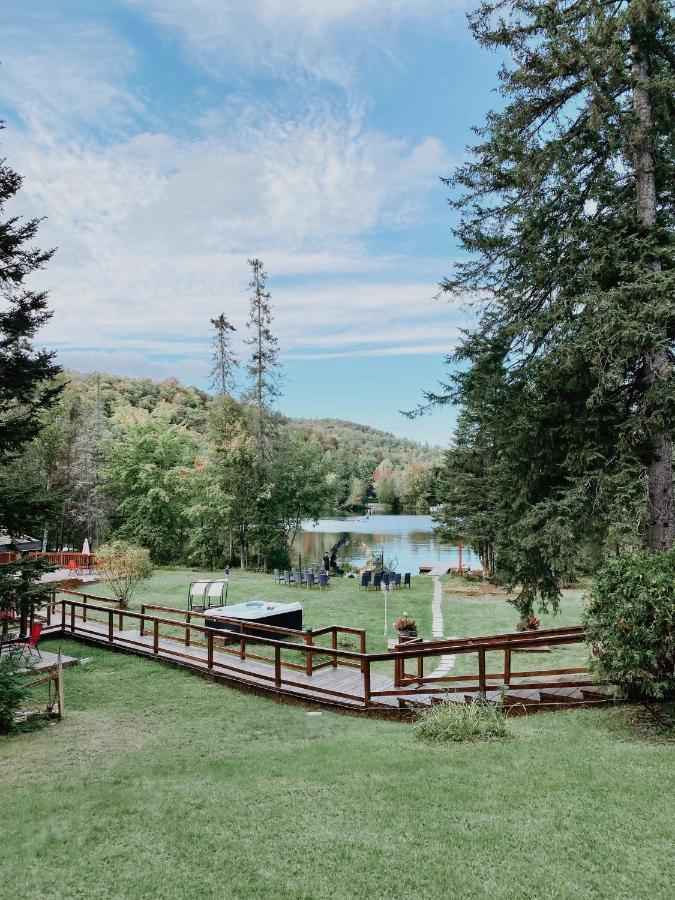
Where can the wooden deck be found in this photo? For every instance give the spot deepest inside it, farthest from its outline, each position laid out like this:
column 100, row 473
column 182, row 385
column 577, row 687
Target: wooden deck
column 347, row 679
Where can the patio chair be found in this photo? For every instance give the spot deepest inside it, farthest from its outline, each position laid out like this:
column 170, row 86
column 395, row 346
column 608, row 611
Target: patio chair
column 31, row 642
column 277, row 576
column 365, row 580
column 196, row 595
column 377, row 580
column 385, row 579
column 287, row 579
column 323, row 581
column 406, row 579
column 215, row 592
column 297, row 579
column 310, row 578
column 397, row 580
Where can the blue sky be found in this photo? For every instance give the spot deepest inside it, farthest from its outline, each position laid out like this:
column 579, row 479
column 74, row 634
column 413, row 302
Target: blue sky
column 166, row 141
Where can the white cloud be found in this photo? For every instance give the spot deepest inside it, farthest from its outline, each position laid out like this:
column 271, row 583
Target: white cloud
column 154, row 228
column 321, row 38
column 62, row 76
column 153, row 232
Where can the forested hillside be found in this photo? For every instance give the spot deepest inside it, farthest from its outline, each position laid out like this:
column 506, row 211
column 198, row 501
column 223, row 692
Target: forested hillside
column 173, row 468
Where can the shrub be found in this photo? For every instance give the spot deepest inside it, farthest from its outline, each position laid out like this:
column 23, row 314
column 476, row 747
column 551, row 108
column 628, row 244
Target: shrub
column 451, row 722
column 630, row 624
column 11, row 690
column 123, row 566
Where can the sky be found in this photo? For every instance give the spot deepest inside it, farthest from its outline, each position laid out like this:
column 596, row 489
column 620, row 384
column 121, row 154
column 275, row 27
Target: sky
column 167, row 141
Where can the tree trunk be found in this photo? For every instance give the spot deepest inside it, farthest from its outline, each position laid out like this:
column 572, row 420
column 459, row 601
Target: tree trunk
column 660, row 497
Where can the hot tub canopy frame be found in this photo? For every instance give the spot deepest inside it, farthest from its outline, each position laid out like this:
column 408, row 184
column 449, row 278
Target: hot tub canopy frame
column 205, row 594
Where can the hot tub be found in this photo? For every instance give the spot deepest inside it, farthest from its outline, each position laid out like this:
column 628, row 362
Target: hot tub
column 258, row 612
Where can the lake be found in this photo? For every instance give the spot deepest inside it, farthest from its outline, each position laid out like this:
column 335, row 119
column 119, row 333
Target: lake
column 406, row 541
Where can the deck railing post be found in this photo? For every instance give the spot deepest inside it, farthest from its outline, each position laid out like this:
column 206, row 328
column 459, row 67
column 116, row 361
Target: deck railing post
column 420, row 669
column 187, row 629
column 120, row 620
column 72, row 617
column 142, row 625
column 363, row 649
column 507, row 665
column 155, row 635
column 309, row 657
column 63, row 615
column 481, row 670
column 110, row 625
column 242, row 642
column 209, row 650
column 84, row 607
column 366, row 681
column 277, row 666
column 333, row 642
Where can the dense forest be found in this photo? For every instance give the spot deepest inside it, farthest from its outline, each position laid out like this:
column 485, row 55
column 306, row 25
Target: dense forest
column 173, row 468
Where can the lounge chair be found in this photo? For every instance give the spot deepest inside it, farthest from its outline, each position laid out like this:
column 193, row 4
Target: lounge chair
column 365, row 580
column 377, row 580
column 406, row 579
column 397, row 580
column 310, row 578
column 323, row 581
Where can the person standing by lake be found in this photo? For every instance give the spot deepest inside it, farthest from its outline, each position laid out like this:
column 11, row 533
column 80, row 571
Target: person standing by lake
column 326, row 562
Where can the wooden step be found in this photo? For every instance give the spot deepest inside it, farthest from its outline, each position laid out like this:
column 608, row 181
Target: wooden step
column 437, row 699
column 561, row 695
column 414, row 702
column 599, row 692
column 519, row 696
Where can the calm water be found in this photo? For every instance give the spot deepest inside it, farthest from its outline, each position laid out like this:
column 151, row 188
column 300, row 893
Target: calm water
column 406, row 541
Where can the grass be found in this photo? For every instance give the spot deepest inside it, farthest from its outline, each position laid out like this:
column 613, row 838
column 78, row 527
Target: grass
column 159, row 784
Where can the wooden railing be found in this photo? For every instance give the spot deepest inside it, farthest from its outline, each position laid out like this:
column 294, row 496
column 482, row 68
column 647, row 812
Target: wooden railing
column 236, row 642
column 59, row 558
column 306, row 635
column 508, row 644
column 63, row 558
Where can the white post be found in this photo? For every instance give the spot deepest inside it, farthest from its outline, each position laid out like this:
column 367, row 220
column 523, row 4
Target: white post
column 385, row 591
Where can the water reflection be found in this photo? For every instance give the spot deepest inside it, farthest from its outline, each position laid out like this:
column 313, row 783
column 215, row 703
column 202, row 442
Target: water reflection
column 406, row 541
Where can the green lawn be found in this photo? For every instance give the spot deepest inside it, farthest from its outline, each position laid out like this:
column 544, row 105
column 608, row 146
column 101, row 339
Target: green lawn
column 160, row 784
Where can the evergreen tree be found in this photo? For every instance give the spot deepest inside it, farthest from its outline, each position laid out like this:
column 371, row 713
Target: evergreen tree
column 224, row 360
column 567, row 213
column 264, row 366
column 27, row 389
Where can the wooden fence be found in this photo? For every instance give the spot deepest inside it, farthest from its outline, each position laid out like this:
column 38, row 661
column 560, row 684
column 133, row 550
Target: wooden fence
column 59, row 558
column 241, row 643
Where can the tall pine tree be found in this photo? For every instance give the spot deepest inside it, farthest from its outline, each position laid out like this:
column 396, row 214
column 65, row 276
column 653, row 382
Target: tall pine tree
column 566, row 216
column 224, row 359
column 264, row 366
column 27, row 389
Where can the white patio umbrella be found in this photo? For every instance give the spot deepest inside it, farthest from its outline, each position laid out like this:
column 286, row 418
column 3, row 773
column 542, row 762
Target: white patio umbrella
column 85, row 547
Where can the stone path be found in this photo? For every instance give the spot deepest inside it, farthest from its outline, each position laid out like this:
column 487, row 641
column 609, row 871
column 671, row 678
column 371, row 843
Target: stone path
column 447, row 661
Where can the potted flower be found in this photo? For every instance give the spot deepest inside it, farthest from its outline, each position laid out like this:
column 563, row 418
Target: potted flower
column 406, row 626
column 531, row 623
